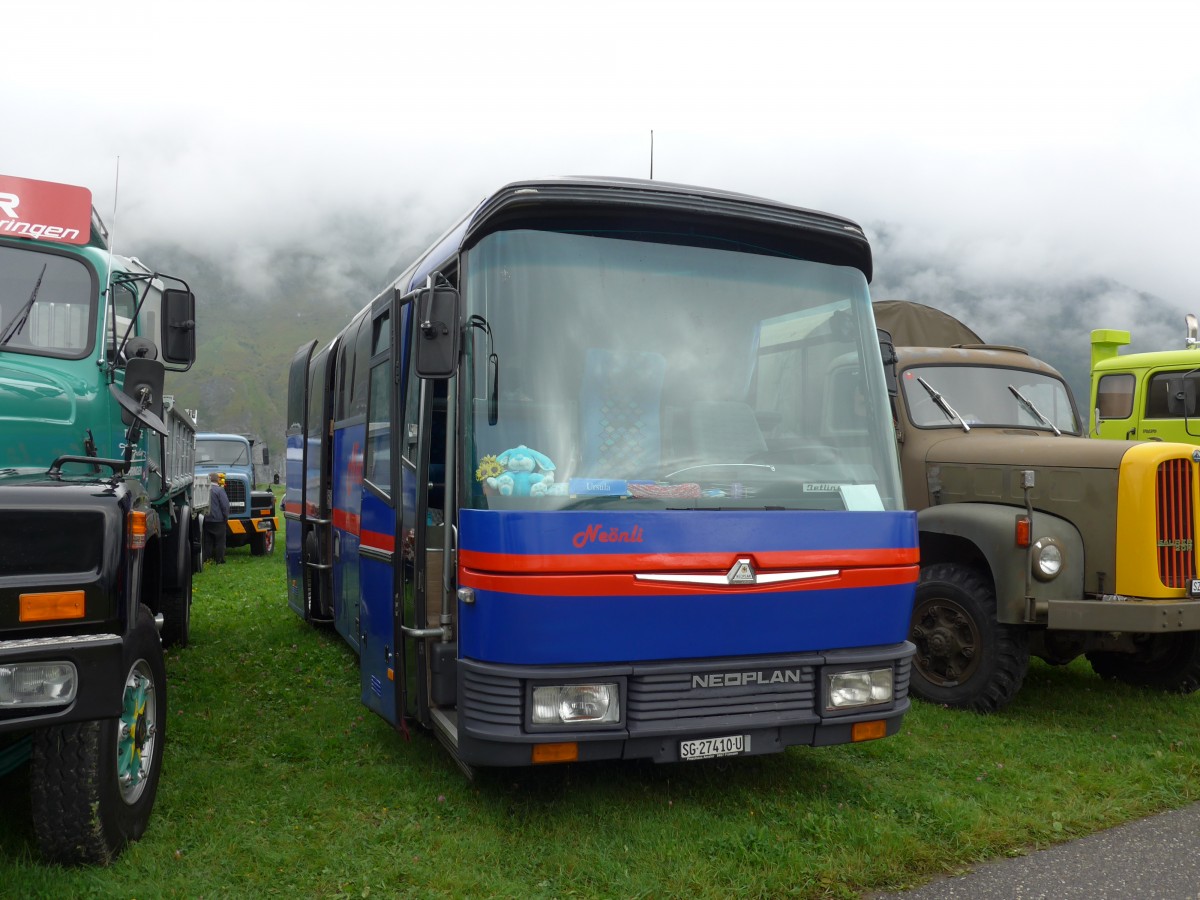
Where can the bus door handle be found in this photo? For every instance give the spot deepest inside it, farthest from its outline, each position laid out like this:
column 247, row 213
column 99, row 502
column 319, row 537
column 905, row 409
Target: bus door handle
column 423, row 632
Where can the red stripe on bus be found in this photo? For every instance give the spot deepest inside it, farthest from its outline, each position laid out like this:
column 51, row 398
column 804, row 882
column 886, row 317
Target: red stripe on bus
column 696, row 562
column 377, row 540
column 346, row 521
column 627, row 585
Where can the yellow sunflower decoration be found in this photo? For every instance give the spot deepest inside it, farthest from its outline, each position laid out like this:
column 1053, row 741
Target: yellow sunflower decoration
column 488, row 468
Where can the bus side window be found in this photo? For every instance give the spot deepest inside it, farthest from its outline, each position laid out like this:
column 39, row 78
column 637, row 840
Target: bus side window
column 379, row 429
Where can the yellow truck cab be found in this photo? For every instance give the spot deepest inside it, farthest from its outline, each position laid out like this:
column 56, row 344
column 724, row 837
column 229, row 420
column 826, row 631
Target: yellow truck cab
column 1145, row 396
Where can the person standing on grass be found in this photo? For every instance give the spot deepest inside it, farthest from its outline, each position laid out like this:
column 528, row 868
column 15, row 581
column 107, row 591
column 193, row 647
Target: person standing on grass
column 214, row 522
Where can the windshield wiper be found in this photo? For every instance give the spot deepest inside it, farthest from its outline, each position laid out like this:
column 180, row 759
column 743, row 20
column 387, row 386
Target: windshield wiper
column 942, row 404
column 19, row 322
column 1033, row 410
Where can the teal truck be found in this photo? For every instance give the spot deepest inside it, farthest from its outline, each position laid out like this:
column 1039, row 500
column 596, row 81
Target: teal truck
column 239, row 459
column 99, row 534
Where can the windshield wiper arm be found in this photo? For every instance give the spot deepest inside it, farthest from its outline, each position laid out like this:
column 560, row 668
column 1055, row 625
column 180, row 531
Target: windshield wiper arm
column 1033, row 410
column 18, row 323
column 942, row 404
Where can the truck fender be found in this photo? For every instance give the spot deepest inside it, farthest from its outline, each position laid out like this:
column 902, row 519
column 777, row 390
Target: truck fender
column 990, row 531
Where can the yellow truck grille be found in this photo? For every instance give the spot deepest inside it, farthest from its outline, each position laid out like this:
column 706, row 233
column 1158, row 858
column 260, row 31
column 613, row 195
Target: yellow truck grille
column 1175, row 530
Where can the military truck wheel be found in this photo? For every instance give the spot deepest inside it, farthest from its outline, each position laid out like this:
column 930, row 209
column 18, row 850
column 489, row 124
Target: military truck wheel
column 93, row 783
column 964, row 658
column 258, row 545
column 1168, row 662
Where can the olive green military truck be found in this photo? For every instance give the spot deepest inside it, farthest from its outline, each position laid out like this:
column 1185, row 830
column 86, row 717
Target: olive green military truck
column 1035, row 540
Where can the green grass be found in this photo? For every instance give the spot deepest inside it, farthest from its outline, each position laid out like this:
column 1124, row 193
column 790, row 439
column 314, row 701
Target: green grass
column 277, row 782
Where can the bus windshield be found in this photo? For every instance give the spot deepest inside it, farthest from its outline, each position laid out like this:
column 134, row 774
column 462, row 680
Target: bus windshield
column 637, row 374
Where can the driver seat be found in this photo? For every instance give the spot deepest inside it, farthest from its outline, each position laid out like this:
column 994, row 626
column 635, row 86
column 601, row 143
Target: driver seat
column 724, row 431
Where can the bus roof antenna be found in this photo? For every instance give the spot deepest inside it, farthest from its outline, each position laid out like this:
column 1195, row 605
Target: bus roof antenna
column 651, row 154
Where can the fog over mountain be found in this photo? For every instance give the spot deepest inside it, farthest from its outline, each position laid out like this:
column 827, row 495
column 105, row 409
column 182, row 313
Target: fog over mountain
column 258, row 303
column 1030, row 167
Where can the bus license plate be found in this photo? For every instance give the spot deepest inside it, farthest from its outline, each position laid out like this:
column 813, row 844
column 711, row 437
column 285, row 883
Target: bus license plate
column 1194, row 587
column 708, row 748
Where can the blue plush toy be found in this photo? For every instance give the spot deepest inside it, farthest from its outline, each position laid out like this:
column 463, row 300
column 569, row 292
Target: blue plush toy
column 519, row 478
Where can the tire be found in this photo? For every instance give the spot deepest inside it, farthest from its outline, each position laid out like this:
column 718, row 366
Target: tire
column 262, row 543
column 176, row 601
column 198, row 547
column 965, row 658
column 177, row 615
column 84, row 812
column 1167, row 662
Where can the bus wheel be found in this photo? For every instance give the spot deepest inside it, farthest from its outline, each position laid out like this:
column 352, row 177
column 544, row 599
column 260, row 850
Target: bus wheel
column 1168, row 662
column 93, row 783
column 964, row 658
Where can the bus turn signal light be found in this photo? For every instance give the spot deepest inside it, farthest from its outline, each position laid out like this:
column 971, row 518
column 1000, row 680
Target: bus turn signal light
column 868, row 731
column 555, row 753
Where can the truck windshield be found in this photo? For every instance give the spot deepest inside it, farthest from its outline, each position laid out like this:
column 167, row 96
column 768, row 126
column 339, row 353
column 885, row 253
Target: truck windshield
column 988, row 396
column 47, row 303
column 636, row 374
column 222, row 453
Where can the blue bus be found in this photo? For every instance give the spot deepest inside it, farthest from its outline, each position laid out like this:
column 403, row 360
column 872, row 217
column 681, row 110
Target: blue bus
column 610, row 472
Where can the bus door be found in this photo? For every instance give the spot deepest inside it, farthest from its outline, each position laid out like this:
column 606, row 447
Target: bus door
column 293, row 498
column 317, row 549
column 380, row 554
column 428, row 624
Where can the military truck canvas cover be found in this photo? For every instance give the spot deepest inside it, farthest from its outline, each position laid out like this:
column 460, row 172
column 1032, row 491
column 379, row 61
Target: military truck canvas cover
column 916, row 325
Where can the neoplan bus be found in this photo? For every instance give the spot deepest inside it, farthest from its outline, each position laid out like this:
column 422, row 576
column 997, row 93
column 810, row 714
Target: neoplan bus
column 569, row 489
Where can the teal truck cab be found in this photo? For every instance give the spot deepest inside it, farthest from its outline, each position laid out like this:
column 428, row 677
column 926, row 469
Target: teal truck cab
column 96, row 512
column 236, row 458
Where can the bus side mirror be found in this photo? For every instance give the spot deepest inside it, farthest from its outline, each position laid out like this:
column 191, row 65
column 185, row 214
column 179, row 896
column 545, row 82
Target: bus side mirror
column 887, row 350
column 178, row 326
column 438, row 332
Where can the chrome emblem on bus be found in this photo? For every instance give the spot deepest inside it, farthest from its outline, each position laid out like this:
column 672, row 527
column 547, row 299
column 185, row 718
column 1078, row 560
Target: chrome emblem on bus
column 742, row 573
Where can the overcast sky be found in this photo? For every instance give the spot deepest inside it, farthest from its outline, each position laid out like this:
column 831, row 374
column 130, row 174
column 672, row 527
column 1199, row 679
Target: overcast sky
column 1053, row 140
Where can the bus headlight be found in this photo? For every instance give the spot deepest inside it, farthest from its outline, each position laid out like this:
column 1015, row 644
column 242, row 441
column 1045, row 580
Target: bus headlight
column 576, row 704
column 1047, row 559
column 862, row 688
column 37, row 684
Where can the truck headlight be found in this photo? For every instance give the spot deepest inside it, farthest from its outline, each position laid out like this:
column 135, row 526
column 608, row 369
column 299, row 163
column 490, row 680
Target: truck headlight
column 1048, row 559
column 37, row 684
column 861, row 688
column 576, row 704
